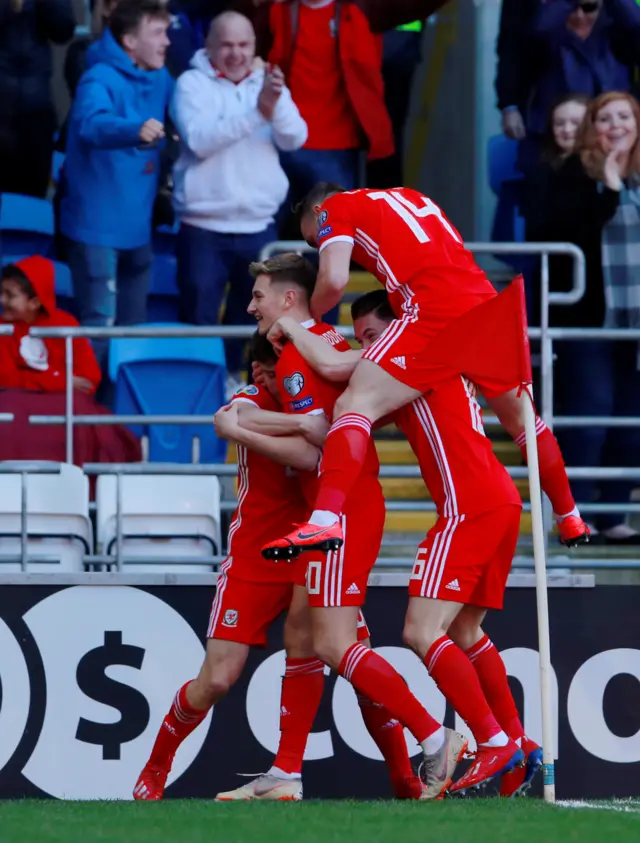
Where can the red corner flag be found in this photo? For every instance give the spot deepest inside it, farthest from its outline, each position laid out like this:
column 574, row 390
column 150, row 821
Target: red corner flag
column 489, row 343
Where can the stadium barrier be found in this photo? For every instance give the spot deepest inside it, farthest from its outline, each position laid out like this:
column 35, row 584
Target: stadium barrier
column 547, row 336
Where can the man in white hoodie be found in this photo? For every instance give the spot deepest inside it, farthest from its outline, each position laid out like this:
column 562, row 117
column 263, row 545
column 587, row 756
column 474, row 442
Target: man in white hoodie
column 233, row 117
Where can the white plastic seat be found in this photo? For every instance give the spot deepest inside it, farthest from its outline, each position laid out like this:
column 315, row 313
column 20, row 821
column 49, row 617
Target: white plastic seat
column 58, row 526
column 163, row 516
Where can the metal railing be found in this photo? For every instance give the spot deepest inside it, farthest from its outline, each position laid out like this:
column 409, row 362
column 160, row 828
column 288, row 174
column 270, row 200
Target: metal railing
column 544, row 333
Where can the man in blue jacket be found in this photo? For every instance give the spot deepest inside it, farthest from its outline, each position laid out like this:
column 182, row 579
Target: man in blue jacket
column 116, row 129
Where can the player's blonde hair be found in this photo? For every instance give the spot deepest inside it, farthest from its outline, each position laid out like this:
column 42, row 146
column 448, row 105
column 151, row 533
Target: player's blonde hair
column 287, row 268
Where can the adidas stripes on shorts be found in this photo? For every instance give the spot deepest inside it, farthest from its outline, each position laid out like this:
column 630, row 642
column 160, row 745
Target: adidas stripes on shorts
column 467, row 558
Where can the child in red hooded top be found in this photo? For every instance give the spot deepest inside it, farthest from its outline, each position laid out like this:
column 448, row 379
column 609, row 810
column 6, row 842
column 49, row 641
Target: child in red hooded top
column 28, row 300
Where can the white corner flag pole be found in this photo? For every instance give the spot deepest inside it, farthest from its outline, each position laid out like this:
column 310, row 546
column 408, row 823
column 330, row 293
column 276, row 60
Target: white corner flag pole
column 539, row 558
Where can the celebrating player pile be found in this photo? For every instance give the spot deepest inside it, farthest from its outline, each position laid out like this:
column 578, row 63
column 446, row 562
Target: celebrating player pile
column 405, row 240
column 252, row 592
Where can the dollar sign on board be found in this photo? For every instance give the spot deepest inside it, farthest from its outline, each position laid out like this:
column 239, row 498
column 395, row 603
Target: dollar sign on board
column 132, row 705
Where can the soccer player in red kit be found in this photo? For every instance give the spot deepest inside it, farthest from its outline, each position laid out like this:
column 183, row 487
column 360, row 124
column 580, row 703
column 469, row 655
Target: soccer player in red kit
column 251, row 593
column 336, row 583
column 462, row 566
column 405, row 240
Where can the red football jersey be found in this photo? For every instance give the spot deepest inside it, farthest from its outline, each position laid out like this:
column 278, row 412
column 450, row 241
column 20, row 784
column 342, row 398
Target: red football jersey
column 457, row 463
column 405, row 240
column 269, row 502
column 303, row 391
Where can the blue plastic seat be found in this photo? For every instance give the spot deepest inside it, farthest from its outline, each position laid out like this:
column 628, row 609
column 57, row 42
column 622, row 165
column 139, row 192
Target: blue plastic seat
column 505, row 180
column 169, row 377
column 164, row 274
column 164, row 239
column 57, row 163
column 27, row 225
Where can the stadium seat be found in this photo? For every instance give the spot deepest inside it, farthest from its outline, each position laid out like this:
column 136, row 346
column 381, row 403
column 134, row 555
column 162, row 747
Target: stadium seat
column 58, row 526
column 169, row 377
column 505, row 181
column 164, row 239
column 26, row 224
column 162, row 516
column 164, row 276
column 57, row 163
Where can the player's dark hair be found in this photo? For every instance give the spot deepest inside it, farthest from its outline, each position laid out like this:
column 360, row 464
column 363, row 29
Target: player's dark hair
column 377, row 302
column 288, row 268
column 11, row 272
column 129, row 14
column 261, row 351
column 316, row 196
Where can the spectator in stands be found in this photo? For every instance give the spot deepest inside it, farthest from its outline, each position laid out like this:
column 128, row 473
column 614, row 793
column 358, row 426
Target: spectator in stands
column 332, row 62
column 541, row 183
column 579, row 46
column 402, row 54
column 596, row 205
column 33, row 376
column 116, row 130
column 29, row 300
column 27, row 116
column 182, row 42
column 232, row 117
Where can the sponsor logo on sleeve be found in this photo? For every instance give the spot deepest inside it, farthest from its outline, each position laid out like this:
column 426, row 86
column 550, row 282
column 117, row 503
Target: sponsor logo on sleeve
column 302, row 404
column 324, row 232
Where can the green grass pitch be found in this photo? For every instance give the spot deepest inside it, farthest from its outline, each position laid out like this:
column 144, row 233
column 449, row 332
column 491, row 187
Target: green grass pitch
column 195, row 821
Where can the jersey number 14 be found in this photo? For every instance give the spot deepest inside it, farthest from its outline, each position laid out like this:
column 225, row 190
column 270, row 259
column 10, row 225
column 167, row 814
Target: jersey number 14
column 413, row 215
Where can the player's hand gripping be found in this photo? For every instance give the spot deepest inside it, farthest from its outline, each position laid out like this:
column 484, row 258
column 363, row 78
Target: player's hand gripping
column 225, row 421
column 280, row 331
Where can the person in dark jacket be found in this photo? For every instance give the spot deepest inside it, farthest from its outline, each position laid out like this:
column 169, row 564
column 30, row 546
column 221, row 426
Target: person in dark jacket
column 554, row 47
column 27, row 116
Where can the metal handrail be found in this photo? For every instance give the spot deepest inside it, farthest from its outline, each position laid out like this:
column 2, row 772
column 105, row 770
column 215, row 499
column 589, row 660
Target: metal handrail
column 546, row 334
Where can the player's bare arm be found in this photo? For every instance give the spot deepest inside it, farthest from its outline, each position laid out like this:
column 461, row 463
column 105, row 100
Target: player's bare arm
column 323, row 358
column 294, row 451
column 268, row 422
column 333, row 277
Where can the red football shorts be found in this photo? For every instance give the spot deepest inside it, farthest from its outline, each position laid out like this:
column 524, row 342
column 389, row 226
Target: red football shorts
column 402, row 352
column 340, row 578
column 468, row 559
column 243, row 611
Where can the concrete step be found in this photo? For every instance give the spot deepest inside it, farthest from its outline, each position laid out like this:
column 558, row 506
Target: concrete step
column 420, row 522
column 361, row 282
column 413, row 489
column 397, row 452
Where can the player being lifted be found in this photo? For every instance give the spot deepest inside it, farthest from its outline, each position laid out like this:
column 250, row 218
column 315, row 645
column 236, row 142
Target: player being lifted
column 462, row 566
column 336, row 583
column 404, row 239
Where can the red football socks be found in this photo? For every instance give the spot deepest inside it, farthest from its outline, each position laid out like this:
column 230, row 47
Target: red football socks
column 178, row 724
column 492, row 674
column 454, row 674
column 344, row 454
column 553, row 475
column 302, row 687
column 388, row 735
column 376, row 679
